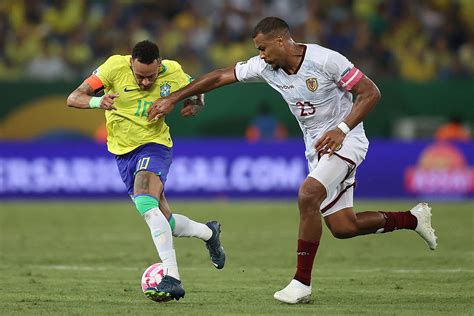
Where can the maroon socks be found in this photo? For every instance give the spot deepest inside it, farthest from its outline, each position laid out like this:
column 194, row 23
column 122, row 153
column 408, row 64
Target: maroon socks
column 305, row 258
column 399, row 220
column 307, row 249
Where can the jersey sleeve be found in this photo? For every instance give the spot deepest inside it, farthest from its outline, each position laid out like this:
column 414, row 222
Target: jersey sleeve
column 103, row 76
column 250, row 70
column 342, row 71
column 181, row 78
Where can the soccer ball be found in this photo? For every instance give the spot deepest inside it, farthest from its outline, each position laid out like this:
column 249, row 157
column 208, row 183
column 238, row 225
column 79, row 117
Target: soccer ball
column 152, row 276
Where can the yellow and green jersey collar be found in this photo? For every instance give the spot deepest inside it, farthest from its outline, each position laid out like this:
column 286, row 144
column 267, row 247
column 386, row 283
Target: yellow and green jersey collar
column 163, row 69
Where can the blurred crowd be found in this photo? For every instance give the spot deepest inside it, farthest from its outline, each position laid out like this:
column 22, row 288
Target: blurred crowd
column 61, row 40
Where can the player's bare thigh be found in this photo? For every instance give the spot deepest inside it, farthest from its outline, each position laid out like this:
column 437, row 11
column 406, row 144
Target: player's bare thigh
column 147, row 182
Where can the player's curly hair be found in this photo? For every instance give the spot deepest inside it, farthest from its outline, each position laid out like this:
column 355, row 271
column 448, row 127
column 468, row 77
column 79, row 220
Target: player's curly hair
column 269, row 25
column 146, row 52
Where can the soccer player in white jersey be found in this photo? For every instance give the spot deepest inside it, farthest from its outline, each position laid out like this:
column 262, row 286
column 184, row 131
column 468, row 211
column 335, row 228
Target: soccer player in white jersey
column 316, row 82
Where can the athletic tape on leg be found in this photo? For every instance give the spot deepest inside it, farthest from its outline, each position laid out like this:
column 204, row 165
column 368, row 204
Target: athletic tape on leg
column 145, row 202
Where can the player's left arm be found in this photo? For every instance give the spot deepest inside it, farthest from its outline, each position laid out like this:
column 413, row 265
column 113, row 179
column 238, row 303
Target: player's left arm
column 193, row 105
column 367, row 96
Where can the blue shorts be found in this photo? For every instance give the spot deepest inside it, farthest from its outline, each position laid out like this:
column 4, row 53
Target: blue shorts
column 150, row 157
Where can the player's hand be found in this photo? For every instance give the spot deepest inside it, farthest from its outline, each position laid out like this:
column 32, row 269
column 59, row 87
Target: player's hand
column 192, row 106
column 330, row 142
column 160, row 108
column 107, row 102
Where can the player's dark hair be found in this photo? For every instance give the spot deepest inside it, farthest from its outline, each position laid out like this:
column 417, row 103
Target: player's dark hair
column 145, row 52
column 270, row 24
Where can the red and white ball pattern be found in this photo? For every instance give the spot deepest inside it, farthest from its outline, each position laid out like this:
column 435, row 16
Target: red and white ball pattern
column 152, row 276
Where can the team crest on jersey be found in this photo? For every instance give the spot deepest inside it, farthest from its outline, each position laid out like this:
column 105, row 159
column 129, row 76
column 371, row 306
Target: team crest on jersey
column 165, row 89
column 312, row 84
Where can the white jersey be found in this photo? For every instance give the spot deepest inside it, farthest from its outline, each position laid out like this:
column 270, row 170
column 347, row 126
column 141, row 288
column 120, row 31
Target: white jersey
column 317, row 94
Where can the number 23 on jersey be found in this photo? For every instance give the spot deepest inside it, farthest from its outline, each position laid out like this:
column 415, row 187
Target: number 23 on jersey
column 306, row 108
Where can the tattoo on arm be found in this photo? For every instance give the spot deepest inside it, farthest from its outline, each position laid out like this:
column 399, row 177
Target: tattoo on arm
column 85, row 88
column 80, row 97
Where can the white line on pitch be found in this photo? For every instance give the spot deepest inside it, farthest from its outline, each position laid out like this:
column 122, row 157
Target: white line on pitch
column 407, row 271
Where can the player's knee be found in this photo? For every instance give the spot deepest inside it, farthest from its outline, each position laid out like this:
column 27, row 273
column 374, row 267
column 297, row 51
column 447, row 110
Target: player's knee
column 309, row 198
column 144, row 203
column 307, row 202
column 343, row 231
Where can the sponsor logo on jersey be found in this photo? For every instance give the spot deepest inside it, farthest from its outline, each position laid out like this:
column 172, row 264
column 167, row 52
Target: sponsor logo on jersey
column 240, row 63
column 312, row 84
column 96, row 72
column 165, row 89
column 128, row 90
column 285, row 87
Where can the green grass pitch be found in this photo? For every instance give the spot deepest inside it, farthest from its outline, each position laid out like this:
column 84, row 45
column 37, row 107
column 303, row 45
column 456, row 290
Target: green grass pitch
column 87, row 258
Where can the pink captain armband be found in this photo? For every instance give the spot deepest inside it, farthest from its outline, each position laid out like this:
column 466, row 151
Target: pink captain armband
column 350, row 79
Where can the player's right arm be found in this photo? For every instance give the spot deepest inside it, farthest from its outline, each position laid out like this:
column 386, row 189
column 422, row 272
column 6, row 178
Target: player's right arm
column 205, row 83
column 104, row 76
column 351, row 79
column 84, row 98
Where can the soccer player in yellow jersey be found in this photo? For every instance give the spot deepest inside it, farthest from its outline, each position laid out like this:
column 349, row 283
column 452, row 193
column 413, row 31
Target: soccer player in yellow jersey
column 143, row 149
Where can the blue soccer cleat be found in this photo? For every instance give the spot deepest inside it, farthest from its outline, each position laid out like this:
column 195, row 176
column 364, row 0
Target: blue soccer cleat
column 216, row 251
column 168, row 289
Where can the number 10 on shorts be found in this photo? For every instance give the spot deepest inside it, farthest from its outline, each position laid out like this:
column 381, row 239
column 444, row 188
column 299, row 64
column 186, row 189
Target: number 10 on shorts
column 143, row 163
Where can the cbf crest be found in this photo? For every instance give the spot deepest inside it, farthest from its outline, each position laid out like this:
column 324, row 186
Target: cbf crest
column 165, row 89
column 312, row 84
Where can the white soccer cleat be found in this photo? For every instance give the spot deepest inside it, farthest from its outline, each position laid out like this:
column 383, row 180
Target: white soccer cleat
column 422, row 212
column 294, row 293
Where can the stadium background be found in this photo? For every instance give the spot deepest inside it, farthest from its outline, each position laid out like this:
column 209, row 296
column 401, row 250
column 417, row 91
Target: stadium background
column 420, row 53
column 71, row 241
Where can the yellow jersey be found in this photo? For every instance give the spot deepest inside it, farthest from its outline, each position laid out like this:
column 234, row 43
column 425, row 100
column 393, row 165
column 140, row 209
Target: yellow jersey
column 127, row 127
